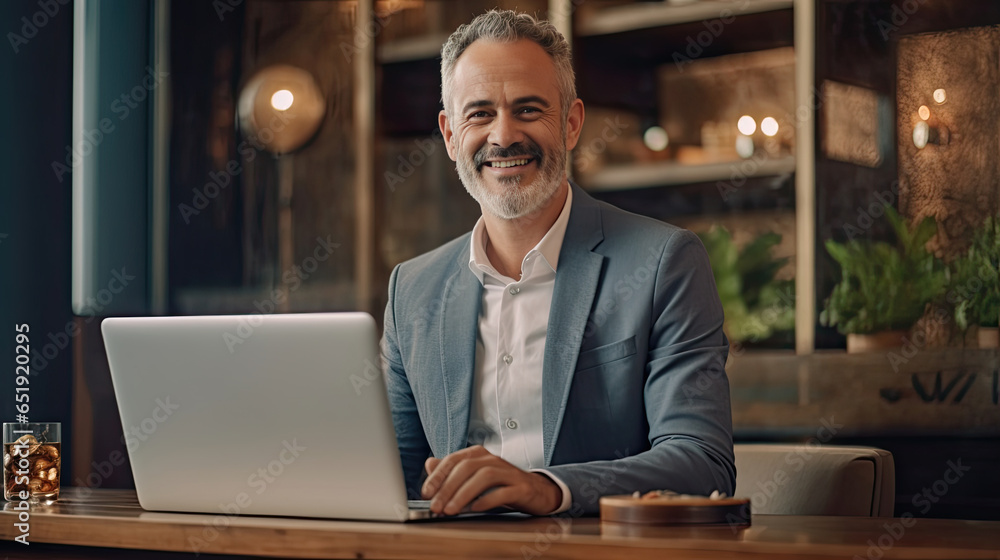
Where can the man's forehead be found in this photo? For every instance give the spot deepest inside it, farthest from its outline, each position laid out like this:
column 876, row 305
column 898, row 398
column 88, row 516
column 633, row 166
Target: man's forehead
column 514, row 70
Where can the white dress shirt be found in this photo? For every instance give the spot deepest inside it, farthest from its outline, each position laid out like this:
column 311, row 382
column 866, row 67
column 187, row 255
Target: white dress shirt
column 506, row 412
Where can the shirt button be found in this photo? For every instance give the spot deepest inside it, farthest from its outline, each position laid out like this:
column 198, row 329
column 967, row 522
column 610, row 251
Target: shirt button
column 514, row 291
column 507, row 358
column 511, row 424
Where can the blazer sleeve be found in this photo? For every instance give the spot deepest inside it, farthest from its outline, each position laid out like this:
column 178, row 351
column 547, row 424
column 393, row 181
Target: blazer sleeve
column 686, row 392
column 413, row 446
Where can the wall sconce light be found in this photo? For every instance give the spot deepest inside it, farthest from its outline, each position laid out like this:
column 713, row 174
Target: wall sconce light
column 746, row 125
column 280, row 108
column 769, row 126
column 744, row 146
column 940, row 96
column 656, row 138
column 924, row 133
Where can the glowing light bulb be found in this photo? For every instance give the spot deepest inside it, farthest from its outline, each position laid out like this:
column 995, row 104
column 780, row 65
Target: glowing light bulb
column 656, row 138
column 769, row 126
column 924, row 112
column 282, row 99
column 921, row 135
column 746, row 125
column 940, row 96
column 744, row 146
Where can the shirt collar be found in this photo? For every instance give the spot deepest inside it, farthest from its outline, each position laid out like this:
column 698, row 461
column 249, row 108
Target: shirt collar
column 548, row 248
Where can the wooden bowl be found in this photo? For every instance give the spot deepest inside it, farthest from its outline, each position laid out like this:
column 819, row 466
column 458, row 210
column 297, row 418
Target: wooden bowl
column 675, row 511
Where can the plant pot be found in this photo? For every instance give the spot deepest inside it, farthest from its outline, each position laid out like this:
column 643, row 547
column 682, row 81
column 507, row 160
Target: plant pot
column 989, row 337
column 874, row 342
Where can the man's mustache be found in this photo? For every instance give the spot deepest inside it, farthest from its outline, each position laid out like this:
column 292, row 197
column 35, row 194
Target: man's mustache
column 529, row 149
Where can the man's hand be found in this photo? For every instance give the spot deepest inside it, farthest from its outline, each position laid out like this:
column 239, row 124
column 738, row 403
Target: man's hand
column 460, row 479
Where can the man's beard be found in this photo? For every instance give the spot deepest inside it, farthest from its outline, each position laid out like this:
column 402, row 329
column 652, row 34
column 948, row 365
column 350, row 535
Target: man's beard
column 514, row 199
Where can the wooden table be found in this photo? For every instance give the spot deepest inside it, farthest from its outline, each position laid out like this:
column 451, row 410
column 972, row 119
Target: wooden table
column 113, row 518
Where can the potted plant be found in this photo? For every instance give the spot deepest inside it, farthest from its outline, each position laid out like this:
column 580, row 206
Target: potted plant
column 884, row 287
column 756, row 305
column 976, row 284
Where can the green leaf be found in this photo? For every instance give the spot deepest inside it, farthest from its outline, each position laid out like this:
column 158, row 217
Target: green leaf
column 755, row 304
column 884, row 286
column 974, row 287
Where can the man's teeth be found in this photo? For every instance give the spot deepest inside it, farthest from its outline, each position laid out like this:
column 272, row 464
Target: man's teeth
column 510, row 163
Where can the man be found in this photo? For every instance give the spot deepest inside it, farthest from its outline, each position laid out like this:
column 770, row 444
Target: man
column 564, row 349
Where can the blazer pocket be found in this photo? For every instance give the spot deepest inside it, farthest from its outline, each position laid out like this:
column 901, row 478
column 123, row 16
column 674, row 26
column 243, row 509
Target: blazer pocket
column 607, row 353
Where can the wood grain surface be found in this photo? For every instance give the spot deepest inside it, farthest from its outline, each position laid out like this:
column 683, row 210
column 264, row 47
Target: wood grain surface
column 113, row 518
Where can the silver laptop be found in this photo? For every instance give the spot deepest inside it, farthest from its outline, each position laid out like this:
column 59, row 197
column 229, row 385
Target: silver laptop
column 258, row 415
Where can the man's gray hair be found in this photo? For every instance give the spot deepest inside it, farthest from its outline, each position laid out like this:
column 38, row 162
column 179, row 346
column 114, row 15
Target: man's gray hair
column 506, row 26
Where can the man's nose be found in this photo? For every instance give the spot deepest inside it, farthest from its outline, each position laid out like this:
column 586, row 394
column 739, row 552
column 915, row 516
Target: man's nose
column 506, row 130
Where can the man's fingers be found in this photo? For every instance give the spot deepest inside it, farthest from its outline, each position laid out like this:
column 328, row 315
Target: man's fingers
column 438, row 470
column 430, row 464
column 463, row 469
column 480, row 478
column 476, row 480
column 499, row 496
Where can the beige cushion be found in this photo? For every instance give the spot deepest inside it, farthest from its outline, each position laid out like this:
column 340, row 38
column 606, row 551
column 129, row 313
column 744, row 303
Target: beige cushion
column 816, row 479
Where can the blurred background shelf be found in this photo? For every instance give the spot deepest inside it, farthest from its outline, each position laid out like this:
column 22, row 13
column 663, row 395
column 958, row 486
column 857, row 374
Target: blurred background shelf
column 642, row 16
column 626, row 177
column 411, row 48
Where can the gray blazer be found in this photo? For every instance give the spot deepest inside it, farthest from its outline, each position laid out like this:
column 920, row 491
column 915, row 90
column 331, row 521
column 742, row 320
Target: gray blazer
column 635, row 394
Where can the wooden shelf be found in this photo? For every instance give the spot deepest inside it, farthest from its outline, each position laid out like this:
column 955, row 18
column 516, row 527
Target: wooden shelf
column 646, row 15
column 415, row 48
column 637, row 176
column 898, row 392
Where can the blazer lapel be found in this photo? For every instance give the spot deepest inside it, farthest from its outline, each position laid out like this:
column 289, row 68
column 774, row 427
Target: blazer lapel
column 458, row 324
column 577, row 275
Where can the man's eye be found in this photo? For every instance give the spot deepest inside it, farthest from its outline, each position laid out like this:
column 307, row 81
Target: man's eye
column 529, row 110
column 479, row 115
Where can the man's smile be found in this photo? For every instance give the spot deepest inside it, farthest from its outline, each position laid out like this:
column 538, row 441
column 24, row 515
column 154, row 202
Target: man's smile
column 509, row 163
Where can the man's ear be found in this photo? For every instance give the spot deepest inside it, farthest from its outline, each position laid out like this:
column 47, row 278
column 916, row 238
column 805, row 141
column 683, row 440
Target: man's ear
column 574, row 124
column 447, row 133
